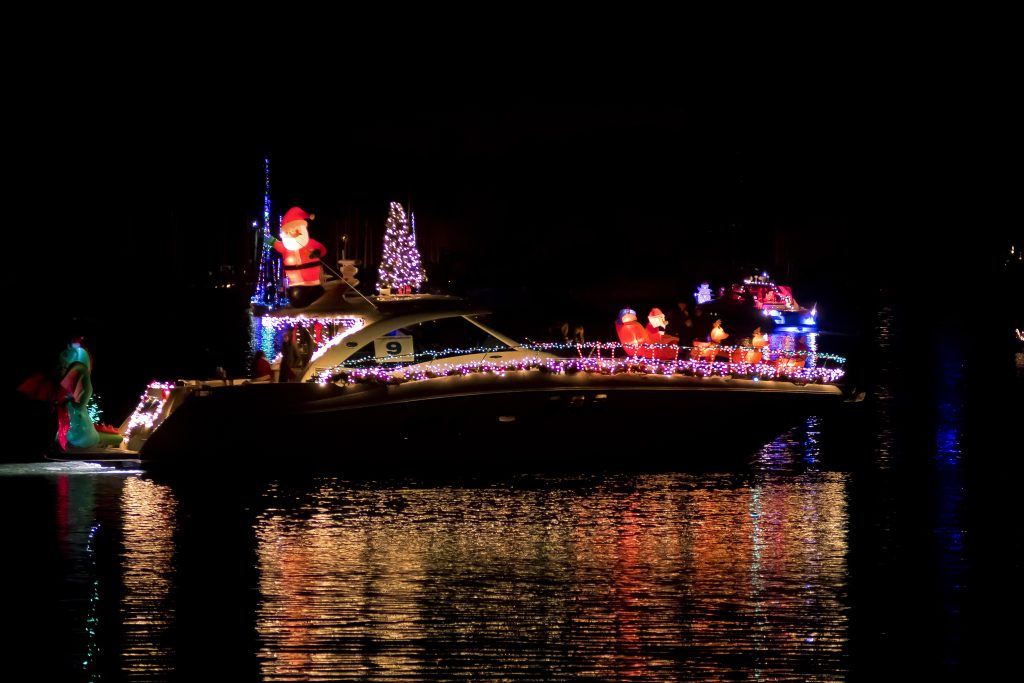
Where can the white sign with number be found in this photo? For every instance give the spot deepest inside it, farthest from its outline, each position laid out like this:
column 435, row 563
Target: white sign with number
column 396, row 349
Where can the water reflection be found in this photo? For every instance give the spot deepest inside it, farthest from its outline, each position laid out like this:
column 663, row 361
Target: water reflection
column 77, row 528
column 655, row 577
column 663, row 577
column 148, row 574
column 949, row 516
column 883, row 389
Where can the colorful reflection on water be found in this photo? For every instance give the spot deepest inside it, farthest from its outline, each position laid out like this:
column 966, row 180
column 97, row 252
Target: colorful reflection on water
column 705, row 576
column 655, row 577
column 147, row 613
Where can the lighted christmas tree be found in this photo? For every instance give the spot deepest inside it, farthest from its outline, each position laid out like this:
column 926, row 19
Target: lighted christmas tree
column 400, row 267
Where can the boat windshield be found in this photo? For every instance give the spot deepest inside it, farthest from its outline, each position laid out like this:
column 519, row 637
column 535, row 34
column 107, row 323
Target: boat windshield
column 427, row 341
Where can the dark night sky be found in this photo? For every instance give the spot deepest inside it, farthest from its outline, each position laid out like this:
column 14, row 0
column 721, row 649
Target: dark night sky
column 630, row 180
column 834, row 183
column 595, row 156
column 575, row 186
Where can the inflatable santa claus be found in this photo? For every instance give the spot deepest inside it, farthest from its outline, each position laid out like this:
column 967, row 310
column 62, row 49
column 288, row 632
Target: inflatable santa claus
column 301, row 255
column 656, row 328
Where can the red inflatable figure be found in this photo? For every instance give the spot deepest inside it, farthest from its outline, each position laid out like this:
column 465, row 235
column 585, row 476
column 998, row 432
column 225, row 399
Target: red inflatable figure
column 656, row 328
column 301, row 256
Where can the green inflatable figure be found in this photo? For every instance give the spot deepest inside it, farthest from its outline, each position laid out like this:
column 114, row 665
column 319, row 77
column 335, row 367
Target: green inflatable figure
column 74, row 424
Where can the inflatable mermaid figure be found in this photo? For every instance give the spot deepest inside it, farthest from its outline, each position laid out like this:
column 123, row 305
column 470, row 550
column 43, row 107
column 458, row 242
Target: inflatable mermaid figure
column 74, row 424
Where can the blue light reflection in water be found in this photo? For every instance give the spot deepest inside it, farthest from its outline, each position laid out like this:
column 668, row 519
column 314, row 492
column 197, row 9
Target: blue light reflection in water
column 949, row 521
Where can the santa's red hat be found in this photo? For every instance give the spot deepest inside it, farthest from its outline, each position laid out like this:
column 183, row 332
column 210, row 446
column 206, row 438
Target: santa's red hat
column 295, row 214
column 655, row 312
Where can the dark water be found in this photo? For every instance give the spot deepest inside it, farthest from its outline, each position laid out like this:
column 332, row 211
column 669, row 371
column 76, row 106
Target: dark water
column 876, row 544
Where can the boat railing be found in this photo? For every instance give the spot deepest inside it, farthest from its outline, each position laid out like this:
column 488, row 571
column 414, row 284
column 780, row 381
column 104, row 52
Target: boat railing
column 605, row 358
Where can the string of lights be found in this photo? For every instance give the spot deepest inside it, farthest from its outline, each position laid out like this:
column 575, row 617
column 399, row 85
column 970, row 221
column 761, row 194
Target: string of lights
column 279, row 323
column 150, row 407
column 596, row 347
column 610, row 365
column 268, row 275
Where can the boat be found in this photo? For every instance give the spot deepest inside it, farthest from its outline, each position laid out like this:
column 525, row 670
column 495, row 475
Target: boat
column 758, row 301
column 111, row 450
column 377, row 378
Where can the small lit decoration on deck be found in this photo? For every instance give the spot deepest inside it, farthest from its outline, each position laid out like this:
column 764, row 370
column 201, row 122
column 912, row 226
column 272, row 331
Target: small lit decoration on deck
column 401, row 269
column 603, row 359
column 703, row 293
column 759, row 339
column 718, row 333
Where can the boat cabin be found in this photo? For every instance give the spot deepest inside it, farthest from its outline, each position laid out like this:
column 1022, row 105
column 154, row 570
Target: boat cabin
column 762, row 293
column 388, row 333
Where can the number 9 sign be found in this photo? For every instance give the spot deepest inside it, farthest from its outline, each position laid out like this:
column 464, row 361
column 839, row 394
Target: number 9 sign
column 397, row 349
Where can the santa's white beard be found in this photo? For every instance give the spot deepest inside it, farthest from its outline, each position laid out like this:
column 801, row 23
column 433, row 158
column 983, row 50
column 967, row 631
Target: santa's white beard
column 297, row 242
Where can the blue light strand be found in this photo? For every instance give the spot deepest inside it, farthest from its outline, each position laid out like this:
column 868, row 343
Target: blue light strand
column 269, row 275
